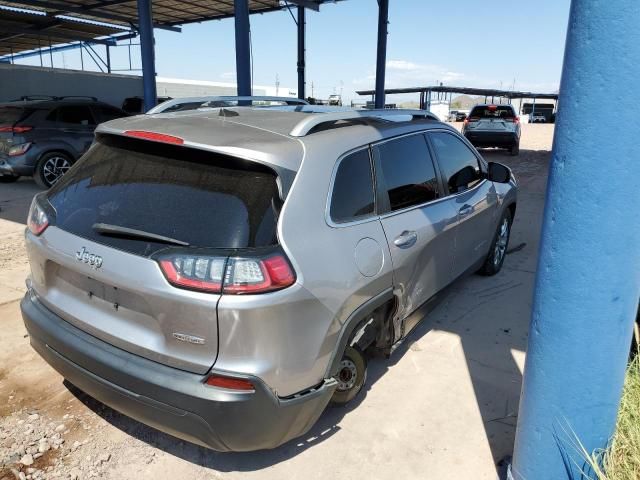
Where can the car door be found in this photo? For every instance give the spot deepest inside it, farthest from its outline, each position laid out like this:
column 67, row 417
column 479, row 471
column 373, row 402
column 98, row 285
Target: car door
column 470, row 194
column 418, row 222
column 75, row 125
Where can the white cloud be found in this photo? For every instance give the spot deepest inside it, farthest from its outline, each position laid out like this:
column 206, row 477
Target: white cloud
column 403, row 73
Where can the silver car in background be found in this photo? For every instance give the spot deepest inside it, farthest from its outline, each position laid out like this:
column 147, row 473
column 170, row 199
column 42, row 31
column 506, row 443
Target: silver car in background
column 221, row 275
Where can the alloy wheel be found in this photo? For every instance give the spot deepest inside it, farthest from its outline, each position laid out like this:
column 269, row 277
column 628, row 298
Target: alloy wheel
column 501, row 243
column 54, row 168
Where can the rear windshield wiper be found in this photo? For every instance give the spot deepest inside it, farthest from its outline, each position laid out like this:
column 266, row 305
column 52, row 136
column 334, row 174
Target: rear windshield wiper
column 117, row 230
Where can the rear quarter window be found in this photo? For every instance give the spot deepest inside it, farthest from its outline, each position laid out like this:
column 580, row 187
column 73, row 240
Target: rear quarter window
column 353, row 196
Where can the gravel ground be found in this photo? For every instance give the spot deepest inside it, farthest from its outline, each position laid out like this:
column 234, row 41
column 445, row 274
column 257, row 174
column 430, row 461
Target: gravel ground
column 457, row 420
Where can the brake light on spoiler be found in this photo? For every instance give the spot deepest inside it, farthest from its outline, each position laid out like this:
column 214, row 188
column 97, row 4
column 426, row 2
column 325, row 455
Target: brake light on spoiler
column 234, row 275
column 155, row 137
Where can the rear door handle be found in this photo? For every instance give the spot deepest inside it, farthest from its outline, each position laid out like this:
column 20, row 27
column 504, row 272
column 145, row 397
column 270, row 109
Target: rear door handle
column 465, row 210
column 406, row 239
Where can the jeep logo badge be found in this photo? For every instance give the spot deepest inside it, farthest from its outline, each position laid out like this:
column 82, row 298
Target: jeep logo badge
column 94, row 261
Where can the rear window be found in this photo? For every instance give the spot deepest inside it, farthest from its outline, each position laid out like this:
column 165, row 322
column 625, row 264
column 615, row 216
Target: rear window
column 11, row 115
column 197, row 197
column 496, row 111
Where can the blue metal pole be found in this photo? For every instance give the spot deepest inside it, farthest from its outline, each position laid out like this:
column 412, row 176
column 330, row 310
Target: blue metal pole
column 243, row 47
column 147, row 48
column 301, row 52
column 381, row 63
column 588, row 279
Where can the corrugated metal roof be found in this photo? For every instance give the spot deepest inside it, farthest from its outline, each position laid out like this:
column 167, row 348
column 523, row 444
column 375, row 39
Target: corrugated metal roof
column 23, row 30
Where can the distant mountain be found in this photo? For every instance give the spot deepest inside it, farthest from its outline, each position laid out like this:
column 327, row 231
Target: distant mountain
column 465, row 102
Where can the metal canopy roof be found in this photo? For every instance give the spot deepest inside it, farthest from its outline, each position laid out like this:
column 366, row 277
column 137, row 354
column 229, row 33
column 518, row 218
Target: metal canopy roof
column 20, row 31
column 166, row 13
column 488, row 92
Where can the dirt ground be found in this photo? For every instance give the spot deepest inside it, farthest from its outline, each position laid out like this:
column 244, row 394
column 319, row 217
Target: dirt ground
column 443, row 406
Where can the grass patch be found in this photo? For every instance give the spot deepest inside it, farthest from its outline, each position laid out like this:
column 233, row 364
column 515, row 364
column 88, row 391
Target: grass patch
column 621, row 461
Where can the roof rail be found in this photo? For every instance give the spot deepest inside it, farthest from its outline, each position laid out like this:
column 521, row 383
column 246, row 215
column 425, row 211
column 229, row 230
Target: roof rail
column 304, row 127
column 86, row 97
column 27, row 98
column 193, row 103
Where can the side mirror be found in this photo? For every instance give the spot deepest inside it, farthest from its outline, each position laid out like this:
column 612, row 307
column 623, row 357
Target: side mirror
column 498, row 173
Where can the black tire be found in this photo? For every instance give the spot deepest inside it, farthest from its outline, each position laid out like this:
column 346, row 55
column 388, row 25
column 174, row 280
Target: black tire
column 499, row 245
column 515, row 149
column 9, row 178
column 51, row 167
column 351, row 376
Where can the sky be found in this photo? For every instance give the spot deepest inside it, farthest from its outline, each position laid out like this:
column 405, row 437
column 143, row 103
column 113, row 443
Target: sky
column 472, row 43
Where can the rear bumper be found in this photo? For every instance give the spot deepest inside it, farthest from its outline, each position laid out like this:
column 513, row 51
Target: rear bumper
column 491, row 139
column 21, row 165
column 171, row 400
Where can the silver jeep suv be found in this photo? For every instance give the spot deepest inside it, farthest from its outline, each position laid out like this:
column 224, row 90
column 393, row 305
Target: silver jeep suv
column 221, row 275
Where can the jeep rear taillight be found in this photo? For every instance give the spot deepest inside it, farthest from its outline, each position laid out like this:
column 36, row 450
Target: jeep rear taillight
column 235, row 275
column 194, row 272
column 257, row 275
column 37, row 221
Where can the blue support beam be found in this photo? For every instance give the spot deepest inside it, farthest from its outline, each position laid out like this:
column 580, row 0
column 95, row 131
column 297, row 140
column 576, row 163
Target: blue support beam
column 381, row 62
column 588, row 280
column 243, row 47
column 301, row 52
column 147, row 52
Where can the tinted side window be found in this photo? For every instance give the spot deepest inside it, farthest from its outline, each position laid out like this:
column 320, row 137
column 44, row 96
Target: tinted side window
column 353, row 196
column 459, row 164
column 109, row 113
column 77, row 115
column 408, row 171
column 132, row 105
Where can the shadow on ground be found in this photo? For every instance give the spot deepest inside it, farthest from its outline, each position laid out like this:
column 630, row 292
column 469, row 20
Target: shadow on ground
column 15, row 199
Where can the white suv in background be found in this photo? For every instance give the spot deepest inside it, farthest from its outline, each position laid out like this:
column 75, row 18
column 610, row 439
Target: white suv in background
column 493, row 126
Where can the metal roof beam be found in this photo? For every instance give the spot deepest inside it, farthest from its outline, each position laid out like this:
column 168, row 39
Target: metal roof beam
column 61, row 48
column 53, row 34
column 306, row 4
column 83, row 11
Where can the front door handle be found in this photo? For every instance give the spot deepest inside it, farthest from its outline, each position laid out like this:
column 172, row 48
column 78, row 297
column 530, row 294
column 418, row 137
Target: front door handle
column 465, row 210
column 406, row 239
